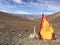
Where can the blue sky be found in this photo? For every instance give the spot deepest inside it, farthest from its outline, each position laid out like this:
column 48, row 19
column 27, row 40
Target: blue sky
column 30, row 6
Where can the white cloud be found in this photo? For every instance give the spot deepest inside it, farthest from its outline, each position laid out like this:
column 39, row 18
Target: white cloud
column 22, row 12
column 47, row 13
column 18, row 1
column 16, row 12
column 31, row 5
column 3, row 10
column 36, row 4
column 53, row 8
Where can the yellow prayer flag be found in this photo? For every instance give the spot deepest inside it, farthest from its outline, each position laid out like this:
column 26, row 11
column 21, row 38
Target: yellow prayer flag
column 46, row 30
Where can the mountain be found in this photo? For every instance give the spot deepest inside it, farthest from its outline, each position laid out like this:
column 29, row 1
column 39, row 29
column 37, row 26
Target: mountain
column 21, row 17
column 29, row 16
column 55, row 20
column 55, row 17
column 17, row 23
column 8, row 16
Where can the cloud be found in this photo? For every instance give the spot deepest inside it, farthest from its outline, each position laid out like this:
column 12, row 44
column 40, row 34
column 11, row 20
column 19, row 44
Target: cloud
column 17, row 1
column 29, row 6
column 5, row 11
column 22, row 12
column 36, row 4
column 53, row 8
column 47, row 13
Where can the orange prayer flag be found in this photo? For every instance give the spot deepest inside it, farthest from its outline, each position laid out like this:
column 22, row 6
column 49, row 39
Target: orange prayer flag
column 46, row 31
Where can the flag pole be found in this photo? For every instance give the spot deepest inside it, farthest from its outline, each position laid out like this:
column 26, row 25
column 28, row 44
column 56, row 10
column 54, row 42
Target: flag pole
column 45, row 8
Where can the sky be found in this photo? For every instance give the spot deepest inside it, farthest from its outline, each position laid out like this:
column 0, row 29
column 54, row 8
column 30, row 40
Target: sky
column 30, row 6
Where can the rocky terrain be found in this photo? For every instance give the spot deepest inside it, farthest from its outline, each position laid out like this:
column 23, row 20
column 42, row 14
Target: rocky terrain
column 16, row 30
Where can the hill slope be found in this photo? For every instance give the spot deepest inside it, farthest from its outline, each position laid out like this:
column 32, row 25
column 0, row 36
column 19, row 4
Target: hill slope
column 55, row 19
column 10, row 17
